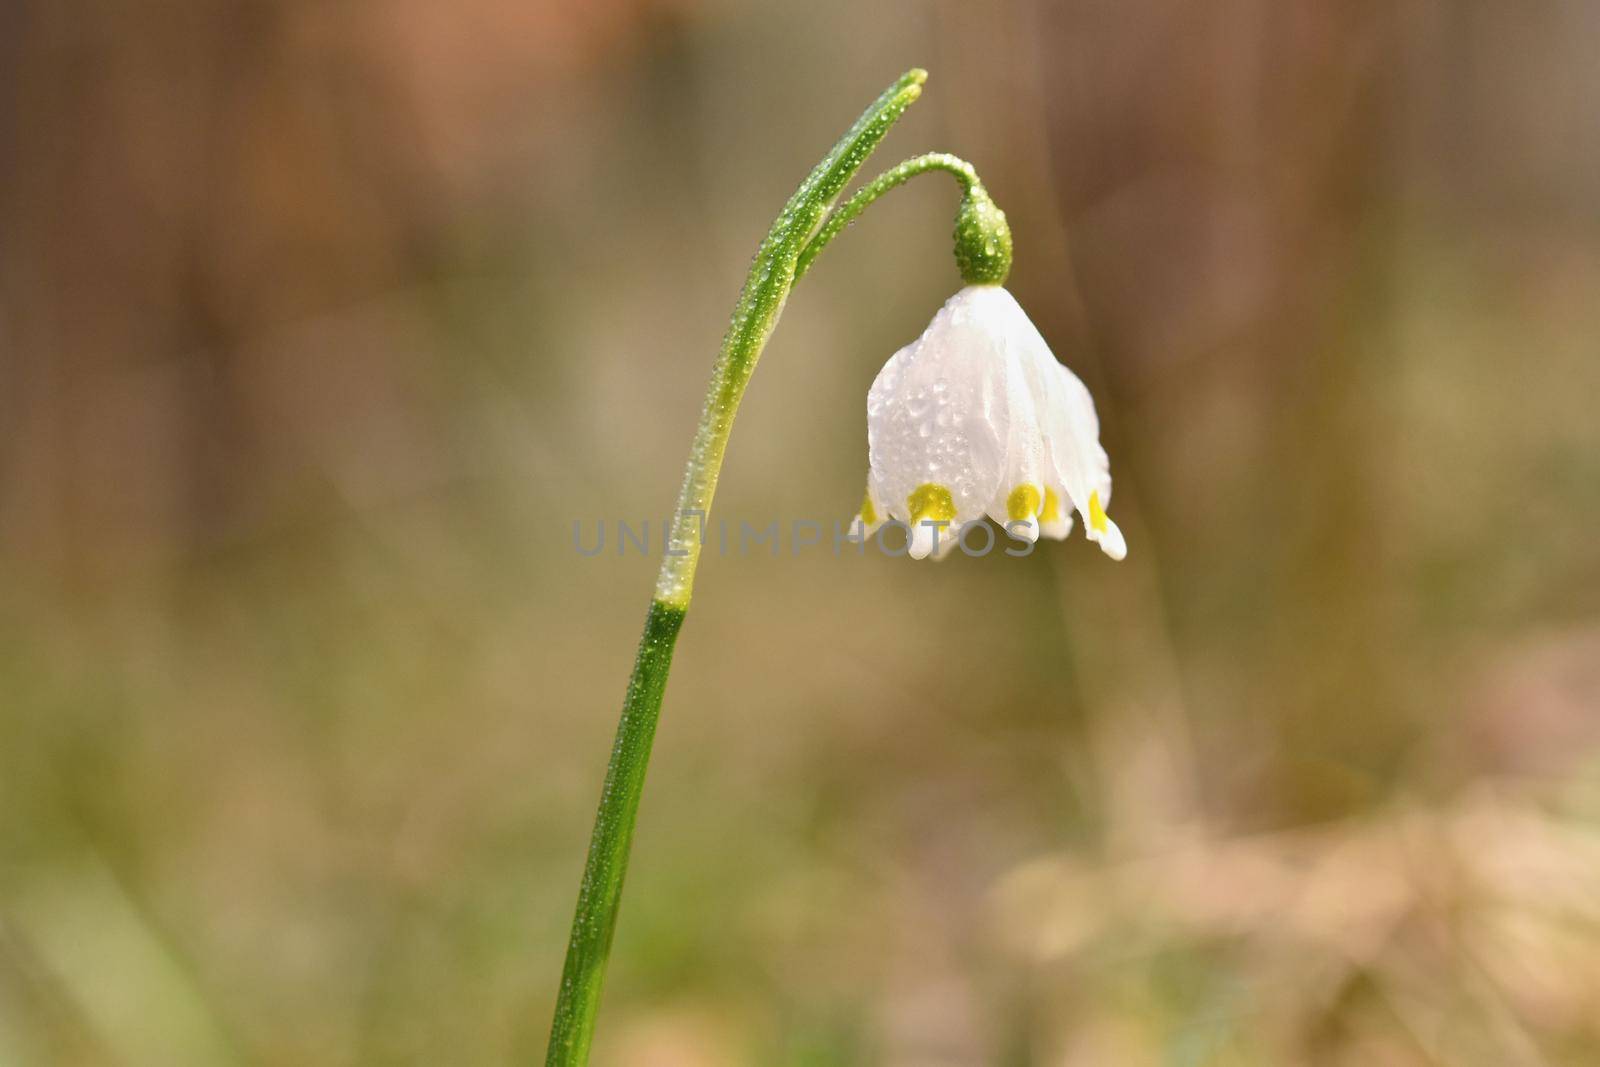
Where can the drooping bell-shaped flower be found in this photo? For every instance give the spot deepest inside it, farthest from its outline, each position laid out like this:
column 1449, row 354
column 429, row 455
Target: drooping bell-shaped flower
column 976, row 417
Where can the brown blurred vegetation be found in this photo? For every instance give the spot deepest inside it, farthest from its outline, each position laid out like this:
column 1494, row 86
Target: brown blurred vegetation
column 320, row 324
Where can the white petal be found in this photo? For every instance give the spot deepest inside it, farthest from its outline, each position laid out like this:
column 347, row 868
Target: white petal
column 1020, row 492
column 1060, row 526
column 1055, row 513
column 934, row 539
column 938, row 412
column 870, row 517
column 1024, row 529
column 1067, row 464
column 1080, row 469
column 1111, row 541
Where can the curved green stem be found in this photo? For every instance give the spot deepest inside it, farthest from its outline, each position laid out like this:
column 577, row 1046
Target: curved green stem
column 798, row 235
column 760, row 303
column 895, row 176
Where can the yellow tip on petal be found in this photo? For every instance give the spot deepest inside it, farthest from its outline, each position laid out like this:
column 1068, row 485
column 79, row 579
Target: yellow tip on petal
column 1103, row 531
column 1097, row 513
column 869, row 514
column 1023, row 503
column 1051, row 511
column 932, row 511
column 933, row 502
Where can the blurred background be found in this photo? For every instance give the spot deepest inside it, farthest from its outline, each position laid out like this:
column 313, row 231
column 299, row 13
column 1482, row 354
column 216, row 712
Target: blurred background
column 321, row 324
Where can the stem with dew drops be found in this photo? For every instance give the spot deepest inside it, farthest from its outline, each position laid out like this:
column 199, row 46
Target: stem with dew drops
column 798, row 234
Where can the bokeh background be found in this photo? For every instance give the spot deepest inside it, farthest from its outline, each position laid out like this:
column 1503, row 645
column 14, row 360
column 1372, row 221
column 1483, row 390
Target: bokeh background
column 321, row 323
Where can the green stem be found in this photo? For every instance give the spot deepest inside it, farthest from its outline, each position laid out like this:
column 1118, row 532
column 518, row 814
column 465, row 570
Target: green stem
column 895, row 176
column 600, row 894
column 760, row 303
column 798, row 235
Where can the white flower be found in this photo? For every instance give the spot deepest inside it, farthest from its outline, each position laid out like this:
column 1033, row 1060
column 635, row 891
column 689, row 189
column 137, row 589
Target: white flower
column 977, row 418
